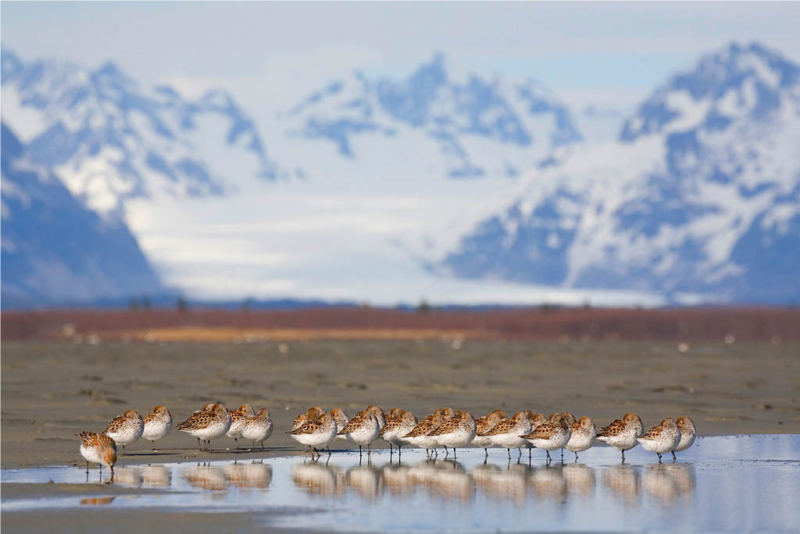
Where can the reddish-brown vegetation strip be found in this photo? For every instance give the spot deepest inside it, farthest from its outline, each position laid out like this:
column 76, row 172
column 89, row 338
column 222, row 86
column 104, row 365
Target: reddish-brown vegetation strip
column 680, row 324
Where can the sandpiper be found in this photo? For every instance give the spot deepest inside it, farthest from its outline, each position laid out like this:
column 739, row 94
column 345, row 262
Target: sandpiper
column 258, row 428
column 379, row 415
column 312, row 415
column 583, row 436
column 98, row 449
column 419, row 434
column 125, row 429
column 361, row 430
column 238, row 418
column 456, row 432
column 207, row 424
column 551, row 436
column 396, row 427
column 688, row 435
column 507, row 433
column 340, row 417
column 662, row 438
column 623, row 433
column 485, row 424
column 157, row 424
column 320, row 433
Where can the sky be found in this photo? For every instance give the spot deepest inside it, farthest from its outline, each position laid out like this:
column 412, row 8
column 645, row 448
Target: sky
column 588, row 53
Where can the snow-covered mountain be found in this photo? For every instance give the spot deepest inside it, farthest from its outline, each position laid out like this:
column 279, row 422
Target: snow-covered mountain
column 700, row 195
column 53, row 248
column 111, row 140
column 438, row 122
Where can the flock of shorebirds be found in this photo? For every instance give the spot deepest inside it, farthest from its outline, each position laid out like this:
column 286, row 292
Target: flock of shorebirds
column 445, row 428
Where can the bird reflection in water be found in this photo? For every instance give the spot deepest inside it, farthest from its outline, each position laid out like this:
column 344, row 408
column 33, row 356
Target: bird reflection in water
column 580, row 480
column 548, row 483
column 319, row 478
column 508, row 483
column 97, row 501
column 206, row 477
column 156, row 476
column 396, row 480
column 128, row 476
column 365, row 480
column 451, row 482
column 667, row 483
column 255, row 475
column 623, row 481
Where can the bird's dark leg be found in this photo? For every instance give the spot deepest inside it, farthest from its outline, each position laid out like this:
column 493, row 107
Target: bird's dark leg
column 359, row 451
column 623, row 456
column 486, row 452
column 673, row 456
column 446, row 452
column 509, row 453
column 548, row 455
column 659, row 457
column 576, row 457
column 520, row 454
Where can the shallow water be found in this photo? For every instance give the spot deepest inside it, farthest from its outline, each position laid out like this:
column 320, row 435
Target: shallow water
column 738, row 483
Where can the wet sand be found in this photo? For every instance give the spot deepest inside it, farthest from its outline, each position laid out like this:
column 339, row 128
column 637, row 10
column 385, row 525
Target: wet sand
column 51, row 391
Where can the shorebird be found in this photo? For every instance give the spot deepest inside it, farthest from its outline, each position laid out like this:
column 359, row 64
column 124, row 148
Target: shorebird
column 419, row 434
column 485, row 424
column 536, row 419
column 379, row 415
column 551, row 436
column 583, row 436
column 623, row 433
column 258, row 428
column 507, row 433
column 207, row 424
column 126, row 428
column 662, row 438
column 361, row 430
column 688, row 435
column 396, row 427
column 99, row 449
column 318, row 434
column 157, row 424
column 569, row 418
column 456, row 432
column 310, row 416
column 341, row 419
column 238, row 418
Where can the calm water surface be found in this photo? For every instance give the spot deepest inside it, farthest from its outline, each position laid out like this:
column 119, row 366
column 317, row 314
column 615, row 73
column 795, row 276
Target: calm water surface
column 739, row 483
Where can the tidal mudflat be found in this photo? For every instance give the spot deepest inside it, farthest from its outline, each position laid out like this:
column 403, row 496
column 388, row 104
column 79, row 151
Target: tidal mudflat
column 738, row 483
column 52, row 391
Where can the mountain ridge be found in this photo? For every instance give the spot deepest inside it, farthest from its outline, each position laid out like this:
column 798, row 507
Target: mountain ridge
column 700, row 198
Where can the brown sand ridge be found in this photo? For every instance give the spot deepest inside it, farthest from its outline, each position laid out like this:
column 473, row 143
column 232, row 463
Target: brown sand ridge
column 547, row 323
